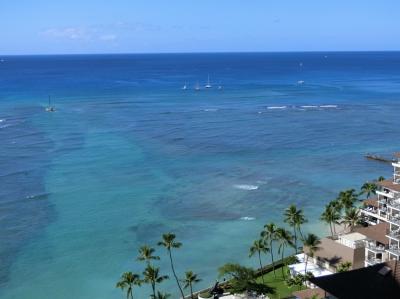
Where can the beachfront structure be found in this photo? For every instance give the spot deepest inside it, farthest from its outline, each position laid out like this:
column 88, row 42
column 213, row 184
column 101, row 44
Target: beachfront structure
column 377, row 281
column 385, row 208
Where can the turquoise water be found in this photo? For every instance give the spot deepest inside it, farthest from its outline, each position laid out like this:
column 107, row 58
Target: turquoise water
column 128, row 155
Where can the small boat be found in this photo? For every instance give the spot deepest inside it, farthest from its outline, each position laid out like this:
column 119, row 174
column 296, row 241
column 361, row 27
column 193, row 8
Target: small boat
column 220, row 87
column 208, row 85
column 184, row 87
column 197, row 86
column 300, row 82
column 50, row 108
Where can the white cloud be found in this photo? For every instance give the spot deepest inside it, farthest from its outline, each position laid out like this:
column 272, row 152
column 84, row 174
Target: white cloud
column 79, row 33
column 73, row 33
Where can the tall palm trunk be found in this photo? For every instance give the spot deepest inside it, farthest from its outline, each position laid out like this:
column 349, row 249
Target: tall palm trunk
column 330, row 226
column 305, row 268
column 191, row 290
column 295, row 238
column 272, row 257
column 153, row 287
column 301, row 234
column 173, row 271
column 283, row 250
column 261, row 267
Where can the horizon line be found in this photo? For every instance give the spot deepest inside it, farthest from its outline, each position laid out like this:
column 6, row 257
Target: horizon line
column 203, row 52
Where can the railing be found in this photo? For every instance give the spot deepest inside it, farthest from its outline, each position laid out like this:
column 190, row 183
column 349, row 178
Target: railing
column 370, row 210
column 372, row 246
column 395, row 220
column 374, row 261
column 394, row 204
column 394, row 234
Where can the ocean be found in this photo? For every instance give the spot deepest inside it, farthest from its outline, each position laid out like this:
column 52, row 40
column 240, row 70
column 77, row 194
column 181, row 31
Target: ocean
column 129, row 155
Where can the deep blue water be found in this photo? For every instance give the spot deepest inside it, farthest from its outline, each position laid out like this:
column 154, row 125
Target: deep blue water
column 129, row 155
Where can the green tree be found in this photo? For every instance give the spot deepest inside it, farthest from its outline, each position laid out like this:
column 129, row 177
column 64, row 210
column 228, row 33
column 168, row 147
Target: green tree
column 295, row 219
column 348, row 198
column 269, row 235
column 146, row 253
column 168, row 241
column 190, row 279
column 243, row 279
column 285, row 239
column 343, row 267
column 351, row 218
column 330, row 216
column 381, row 178
column 127, row 281
column 259, row 247
column 311, row 244
column 152, row 276
column 368, row 189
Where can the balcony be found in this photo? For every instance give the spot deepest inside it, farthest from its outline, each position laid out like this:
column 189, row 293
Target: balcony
column 394, row 203
column 394, row 250
column 385, row 193
column 373, row 247
column 373, row 261
column 394, row 219
column 395, row 234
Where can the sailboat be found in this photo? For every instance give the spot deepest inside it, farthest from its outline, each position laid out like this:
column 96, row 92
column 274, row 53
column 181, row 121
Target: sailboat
column 208, row 85
column 50, row 108
column 184, row 87
column 197, row 86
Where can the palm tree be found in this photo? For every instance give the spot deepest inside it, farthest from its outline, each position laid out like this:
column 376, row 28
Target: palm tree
column 330, row 216
column 146, row 254
column 152, row 276
column 259, row 247
column 291, row 214
column 347, row 198
column 285, row 239
column 128, row 280
column 269, row 235
column 381, row 178
column 368, row 189
column 311, row 244
column 160, row 295
column 299, row 221
column 190, row 279
column 168, row 241
column 295, row 219
column 351, row 218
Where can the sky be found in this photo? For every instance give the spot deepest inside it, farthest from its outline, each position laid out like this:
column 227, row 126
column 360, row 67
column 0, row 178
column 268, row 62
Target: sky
column 163, row 26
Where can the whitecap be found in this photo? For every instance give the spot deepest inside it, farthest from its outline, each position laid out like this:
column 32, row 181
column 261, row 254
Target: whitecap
column 309, row 106
column 276, row 107
column 210, row 110
column 246, row 218
column 328, row 106
column 246, row 187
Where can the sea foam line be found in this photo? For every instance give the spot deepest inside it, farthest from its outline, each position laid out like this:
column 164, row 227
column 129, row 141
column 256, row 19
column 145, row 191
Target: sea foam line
column 246, row 187
column 246, row 218
column 276, row 107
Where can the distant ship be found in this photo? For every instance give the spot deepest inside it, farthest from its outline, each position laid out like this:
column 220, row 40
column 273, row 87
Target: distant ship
column 184, row 87
column 208, row 85
column 50, row 108
column 300, row 82
column 197, row 86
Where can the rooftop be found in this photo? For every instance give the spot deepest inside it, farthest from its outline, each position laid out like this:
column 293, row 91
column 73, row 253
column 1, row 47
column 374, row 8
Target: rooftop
column 375, row 232
column 353, row 237
column 371, row 202
column 389, row 185
column 377, row 281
